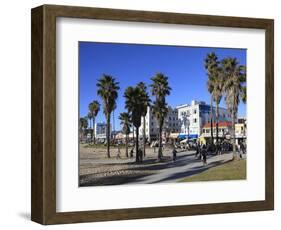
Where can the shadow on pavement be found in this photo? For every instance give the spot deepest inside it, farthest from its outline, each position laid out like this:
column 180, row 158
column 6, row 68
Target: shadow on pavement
column 193, row 171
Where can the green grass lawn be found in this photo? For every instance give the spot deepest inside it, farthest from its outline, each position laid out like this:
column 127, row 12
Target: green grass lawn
column 233, row 170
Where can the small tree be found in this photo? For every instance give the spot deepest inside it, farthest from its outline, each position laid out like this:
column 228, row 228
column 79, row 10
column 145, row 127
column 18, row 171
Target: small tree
column 94, row 108
column 90, row 117
column 160, row 111
column 146, row 103
column 83, row 125
column 125, row 121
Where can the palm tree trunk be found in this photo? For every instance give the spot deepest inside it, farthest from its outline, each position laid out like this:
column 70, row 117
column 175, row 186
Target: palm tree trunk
column 217, row 127
column 133, row 134
column 126, row 143
column 233, row 128
column 90, row 122
column 108, row 135
column 92, row 130
column 137, row 145
column 94, row 135
column 81, row 134
column 233, row 135
column 211, row 114
column 160, row 143
column 143, row 135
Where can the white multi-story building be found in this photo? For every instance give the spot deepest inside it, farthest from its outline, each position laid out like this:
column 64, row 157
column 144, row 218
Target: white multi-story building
column 100, row 130
column 194, row 116
column 171, row 124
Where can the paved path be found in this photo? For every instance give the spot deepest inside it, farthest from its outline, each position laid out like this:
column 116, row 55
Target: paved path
column 186, row 165
column 95, row 169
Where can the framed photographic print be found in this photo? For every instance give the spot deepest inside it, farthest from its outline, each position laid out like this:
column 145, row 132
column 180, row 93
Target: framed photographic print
column 140, row 114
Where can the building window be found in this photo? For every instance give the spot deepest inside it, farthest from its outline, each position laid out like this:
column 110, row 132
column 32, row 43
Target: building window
column 194, row 120
column 194, row 111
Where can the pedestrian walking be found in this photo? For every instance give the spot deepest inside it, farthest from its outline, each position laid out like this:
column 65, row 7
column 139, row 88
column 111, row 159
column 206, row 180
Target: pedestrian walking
column 240, row 149
column 132, row 152
column 197, row 149
column 118, row 156
column 174, row 152
column 204, row 155
column 219, row 149
column 140, row 155
column 243, row 149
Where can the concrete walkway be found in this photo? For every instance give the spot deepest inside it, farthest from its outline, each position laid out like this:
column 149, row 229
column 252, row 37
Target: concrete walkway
column 186, row 165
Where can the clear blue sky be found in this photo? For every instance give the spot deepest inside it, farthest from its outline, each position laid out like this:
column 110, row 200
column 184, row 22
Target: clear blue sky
column 132, row 63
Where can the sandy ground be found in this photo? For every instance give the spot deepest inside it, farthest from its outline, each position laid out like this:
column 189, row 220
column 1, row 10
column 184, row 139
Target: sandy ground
column 96, row 169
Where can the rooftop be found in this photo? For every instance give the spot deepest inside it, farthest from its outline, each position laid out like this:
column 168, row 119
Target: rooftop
column 221, row 124
column 193, row 102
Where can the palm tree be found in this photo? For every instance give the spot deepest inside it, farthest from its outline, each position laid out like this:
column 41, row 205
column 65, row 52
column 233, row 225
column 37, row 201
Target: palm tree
column 160, row 111
column 125, row 120
column 235, row 90
column 94, row 108
column 90, row 117
column 108, row 91
column 160, row 89
column 244, row 94
column 146, row 104
column 215, row 85
column 134, row 104
column 83, row 125
column 211, row 64
column 217, row 92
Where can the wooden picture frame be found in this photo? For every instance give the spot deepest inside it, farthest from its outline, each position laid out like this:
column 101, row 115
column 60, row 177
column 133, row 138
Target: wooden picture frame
column 43, row 207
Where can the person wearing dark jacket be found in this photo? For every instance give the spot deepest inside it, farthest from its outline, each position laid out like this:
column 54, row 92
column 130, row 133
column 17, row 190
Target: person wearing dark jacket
column 204, row 155
column 174, row 154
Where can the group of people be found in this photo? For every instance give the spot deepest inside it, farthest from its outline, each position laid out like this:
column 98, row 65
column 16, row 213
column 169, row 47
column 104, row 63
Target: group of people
column 201, row 151
column 118, row 156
